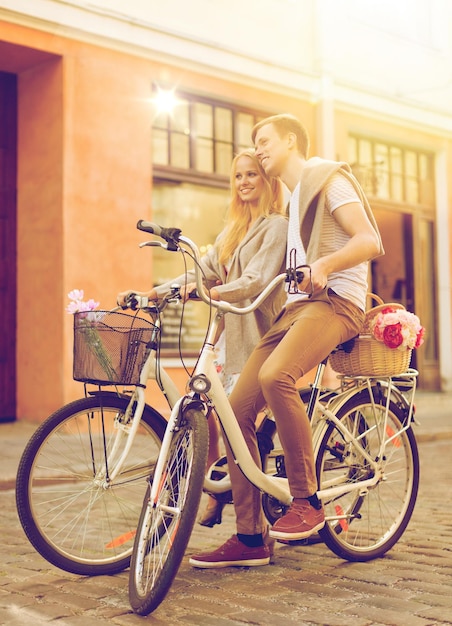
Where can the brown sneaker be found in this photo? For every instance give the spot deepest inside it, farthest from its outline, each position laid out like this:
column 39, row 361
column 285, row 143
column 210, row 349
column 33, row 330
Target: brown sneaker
column 233, row 553
column 301, row 520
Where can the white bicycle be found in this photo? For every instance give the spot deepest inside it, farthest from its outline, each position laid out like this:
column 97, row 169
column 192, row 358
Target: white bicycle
column 367, row 462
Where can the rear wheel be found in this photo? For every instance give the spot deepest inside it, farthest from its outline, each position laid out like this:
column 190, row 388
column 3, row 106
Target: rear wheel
column 72, row 514
column 166, row 524
column 365, row 523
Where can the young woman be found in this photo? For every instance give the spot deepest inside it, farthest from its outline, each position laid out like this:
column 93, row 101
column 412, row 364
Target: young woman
column 246, row 256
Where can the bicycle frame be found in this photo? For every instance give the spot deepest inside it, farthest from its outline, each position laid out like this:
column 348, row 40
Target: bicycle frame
column 328, row 414
column 216, row 397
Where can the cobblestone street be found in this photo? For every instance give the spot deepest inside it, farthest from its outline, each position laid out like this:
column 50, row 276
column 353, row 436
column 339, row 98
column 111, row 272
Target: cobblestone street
column 304, row 584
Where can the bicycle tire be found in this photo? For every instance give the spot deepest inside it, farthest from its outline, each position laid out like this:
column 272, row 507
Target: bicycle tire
column 73, row 520
column 364, row 524
column 165, row 527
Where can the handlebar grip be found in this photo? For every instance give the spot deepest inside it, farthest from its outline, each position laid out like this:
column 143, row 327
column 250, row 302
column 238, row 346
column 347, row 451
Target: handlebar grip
column 149, row 227
column 170, row 235
column 131, row 302
column 194, row 295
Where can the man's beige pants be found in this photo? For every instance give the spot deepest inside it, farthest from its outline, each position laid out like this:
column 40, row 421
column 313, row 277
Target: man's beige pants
column 302, row 335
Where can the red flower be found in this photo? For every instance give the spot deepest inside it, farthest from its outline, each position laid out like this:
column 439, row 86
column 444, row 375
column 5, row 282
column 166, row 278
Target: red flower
column 420, row 338
column 392, row 335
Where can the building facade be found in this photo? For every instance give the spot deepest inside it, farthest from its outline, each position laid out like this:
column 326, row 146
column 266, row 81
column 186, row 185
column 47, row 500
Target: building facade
column 86, row 151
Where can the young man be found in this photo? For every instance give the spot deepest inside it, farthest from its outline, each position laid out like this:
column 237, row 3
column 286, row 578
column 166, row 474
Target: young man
column 333, row 231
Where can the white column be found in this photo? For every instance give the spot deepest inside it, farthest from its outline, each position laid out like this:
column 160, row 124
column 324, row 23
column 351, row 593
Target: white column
column 325, row 126
column 444, row 277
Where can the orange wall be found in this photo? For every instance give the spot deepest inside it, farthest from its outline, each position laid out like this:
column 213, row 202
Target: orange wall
column 84, row 179
column 40, row 240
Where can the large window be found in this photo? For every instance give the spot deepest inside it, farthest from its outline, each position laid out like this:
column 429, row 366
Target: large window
column 392, row 172
column 198, row 139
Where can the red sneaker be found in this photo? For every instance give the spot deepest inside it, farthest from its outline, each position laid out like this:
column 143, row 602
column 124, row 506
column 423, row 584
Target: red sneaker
column 301, row 520
column 233, row 553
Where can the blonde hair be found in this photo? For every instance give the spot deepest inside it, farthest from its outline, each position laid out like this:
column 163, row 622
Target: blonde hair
column 238, row 218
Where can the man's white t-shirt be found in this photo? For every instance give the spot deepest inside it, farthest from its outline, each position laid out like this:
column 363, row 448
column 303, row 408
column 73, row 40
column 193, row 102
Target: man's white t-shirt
column 350, row 283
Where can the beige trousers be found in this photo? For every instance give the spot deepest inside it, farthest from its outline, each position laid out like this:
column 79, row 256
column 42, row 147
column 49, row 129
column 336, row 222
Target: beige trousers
column 302, row 335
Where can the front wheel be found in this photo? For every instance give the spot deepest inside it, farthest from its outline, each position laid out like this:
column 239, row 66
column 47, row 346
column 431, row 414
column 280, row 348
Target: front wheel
column 365, row 523
column 72, row 514
column 166, row 523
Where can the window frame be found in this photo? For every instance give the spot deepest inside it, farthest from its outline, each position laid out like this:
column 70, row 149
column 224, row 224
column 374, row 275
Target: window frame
column 371, row 172
column 193, row 174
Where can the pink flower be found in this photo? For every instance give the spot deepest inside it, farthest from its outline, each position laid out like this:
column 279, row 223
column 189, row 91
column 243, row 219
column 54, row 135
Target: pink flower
column 398, row 329
column 420, row 338
column 77, row 304
column 76, row 295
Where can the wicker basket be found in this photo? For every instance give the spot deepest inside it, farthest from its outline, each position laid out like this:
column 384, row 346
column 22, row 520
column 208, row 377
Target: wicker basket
column 110, row 347
column 369, row 357
column 374, row 311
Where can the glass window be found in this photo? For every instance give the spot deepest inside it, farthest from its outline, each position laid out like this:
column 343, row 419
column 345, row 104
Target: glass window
column 381, row 170
column 353, row 151
column 411, row 163
column 204, row 155
column 412, row 190
column 365, row 153
column 223, row 158
column 160, row 150
column 396, row 164
column 201, row 135
column 199, row 212
column 161, row 121
column 397, row 192
column 245, row 123
column 426, row 187
column 180, row 147
column 223, row 124
column 396, row 170
column 180, row 121
column 203, row 119
column 393, row 172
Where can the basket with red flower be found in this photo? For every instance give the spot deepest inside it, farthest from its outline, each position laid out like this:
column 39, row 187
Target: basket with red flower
column 384, row 348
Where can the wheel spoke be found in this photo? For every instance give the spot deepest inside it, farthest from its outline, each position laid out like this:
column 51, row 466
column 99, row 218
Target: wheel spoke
column 366, row 522
column 71, row 513
column 166, row 523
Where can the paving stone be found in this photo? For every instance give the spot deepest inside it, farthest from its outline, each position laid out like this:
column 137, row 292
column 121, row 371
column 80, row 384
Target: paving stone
column 307, row 585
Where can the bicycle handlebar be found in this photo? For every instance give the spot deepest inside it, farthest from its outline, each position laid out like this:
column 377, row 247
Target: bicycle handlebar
column 174, row 238
column 170, row 235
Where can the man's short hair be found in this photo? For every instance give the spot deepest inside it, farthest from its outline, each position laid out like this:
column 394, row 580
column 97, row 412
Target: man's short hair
column 285, row 124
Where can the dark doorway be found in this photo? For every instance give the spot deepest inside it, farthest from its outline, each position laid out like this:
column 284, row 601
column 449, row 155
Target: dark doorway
column 393, row 273
column 8, row 176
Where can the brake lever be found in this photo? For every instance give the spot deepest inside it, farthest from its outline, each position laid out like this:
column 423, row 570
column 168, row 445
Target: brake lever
column 158, row 244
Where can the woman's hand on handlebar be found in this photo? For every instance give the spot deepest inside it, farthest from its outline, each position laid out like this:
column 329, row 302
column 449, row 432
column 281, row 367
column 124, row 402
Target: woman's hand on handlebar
column 124, row 297
column 189, row 292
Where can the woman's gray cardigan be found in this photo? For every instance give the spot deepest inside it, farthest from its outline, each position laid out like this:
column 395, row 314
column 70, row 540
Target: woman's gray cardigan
column 260, row 256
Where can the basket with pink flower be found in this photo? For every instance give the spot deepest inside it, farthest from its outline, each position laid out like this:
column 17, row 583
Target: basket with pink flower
column 390, row 334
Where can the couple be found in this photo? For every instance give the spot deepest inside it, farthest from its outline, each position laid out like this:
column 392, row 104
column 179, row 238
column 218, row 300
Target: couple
column 331, row 228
